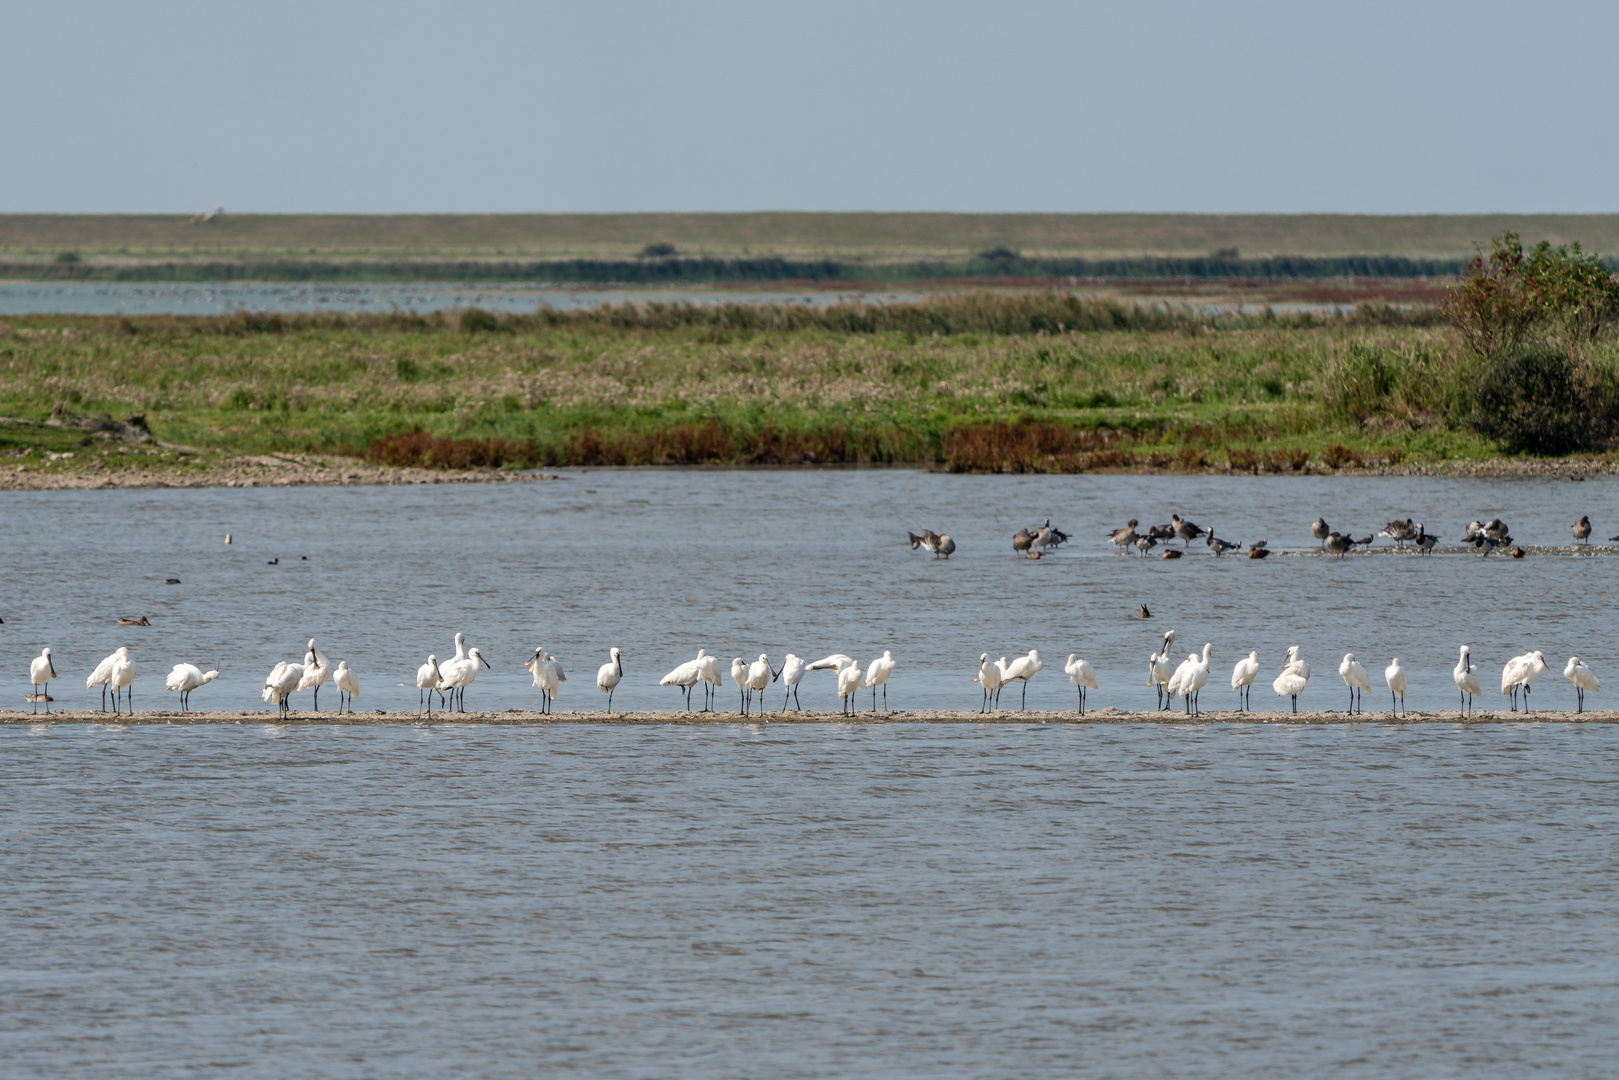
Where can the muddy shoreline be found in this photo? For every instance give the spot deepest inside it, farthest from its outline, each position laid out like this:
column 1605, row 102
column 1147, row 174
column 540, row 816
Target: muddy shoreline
column 1098, row 716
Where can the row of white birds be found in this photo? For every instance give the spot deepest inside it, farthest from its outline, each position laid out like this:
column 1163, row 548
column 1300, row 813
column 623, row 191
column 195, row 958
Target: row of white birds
column 450, row 679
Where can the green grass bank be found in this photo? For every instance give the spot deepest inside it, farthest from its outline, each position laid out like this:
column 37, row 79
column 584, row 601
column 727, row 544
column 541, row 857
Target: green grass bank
column 1020, row 382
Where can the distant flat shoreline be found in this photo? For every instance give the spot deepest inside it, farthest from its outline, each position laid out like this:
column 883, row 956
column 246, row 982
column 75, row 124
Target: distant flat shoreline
column 1098, row 716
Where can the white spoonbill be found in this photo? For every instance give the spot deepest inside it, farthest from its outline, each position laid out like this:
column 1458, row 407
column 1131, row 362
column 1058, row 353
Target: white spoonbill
column 686, row 676
column 877, row 675
column 314, row 675
column 1242, row 679
column 1578, row 673
column 609, row 675
column 848, row 681
column 280, row 683
column 548, row 676
column 833, row 663
column 1294, row 677
column 1022, row 669
column 123, row 679
column 1082, row 675
column 102, row 675
column 739, row 675
column 1521, row 671
column 988, row 677
column 791, row 674
column 317, row 678
column 347, row 683
column 1158, row 669
column 760, row 675
column 427, row 680
column 708, row 669
column 1466, row 678
column 1190, row 678
column 458, row 675
column 1394, row 675
column 186, row 678
column 40, row 672
column 1353, row 673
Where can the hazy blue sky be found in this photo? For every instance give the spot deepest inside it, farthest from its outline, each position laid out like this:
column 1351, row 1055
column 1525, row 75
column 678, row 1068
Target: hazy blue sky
column 591, row 106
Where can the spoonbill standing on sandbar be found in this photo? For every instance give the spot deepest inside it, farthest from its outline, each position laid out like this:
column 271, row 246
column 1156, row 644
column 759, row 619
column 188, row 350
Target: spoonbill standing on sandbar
column 1158, row 670
column 280, row 683
column 1583, row 678
column 1022, row 669
column 1394, row 675
column 791, row 674
column 40, row 673
column 186, row 678
column 989, row 678
column 609, row 675
column 348, row 684
column 1242, row 679
column 708, row 669
column 1466, row 678
column 760, row 675
column 848, row 681
column 316, row 678
column 123, row 679
column 739, row 675
column 877, row 675
column 687, row 676
column 1294, row 677
column 1521, row 671
column 548, row 676
column 457, row 675
column 102, row 675
column 427, row 680
column 1082, row 675
column 1353, row 673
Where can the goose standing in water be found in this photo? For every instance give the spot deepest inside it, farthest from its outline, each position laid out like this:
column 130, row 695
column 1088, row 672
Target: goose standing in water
column 427, row 680
column 1082, row 675
column 1319, row 530
column 939, row 544
column 1021, row 540
column 1399, row 532
column 1220, row 547
column 1582, row 677
column 1425, row 540
column 1355, row 677
column 1123, row 538
column 1394, row 675
column 1294, row 677
column 609, row 675
column 1582, row 530
column 1145, row 544
column 186, row 678
column 1338, row 544
column 1046, row 537
column 1466, row 678
column 1242, row 679
column 1186, row 530
column 989, row 679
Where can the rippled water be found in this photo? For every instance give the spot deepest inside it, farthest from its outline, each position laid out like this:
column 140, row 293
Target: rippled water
column 221, row 298
column 814, row 901
column 662, row 563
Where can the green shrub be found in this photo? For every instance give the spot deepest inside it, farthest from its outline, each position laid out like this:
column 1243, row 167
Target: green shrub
column 1534, row 403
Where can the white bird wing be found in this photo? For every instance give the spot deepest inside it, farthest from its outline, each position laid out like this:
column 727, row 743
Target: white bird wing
column 688, row 670
column 835, row 661
column 102, row 673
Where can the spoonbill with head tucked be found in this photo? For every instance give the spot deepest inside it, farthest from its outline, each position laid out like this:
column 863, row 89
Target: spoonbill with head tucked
column 123, row 679
column 1242, row 679
column 1023, row 669
column 1294, row 677
column 1082, row 675
column 609, row 675
column 347, row 684
column 427, row 680
column 686, row 676
column 1354, row 676
column 1521, row 671
column 1466, row 678
column 1394, row 675
column 102, row 675
column 280, row 683
column 186, row 678
column 848, row 682
column 708, row 669
column 1583, row 678
column 877, row 675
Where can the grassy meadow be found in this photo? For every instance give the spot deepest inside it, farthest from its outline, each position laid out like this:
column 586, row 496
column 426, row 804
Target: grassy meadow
column 1020, row 382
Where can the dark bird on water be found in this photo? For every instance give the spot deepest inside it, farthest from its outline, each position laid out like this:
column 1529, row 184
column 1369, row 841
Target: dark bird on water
column 1146, row 543
column 1172, row 554
column 173, row 581
column 142, row 621
column 1036, row 554
column 1221, row 546
column 1258, row 553
column 274, row 562
column 1517, row 553
column 1145, row 614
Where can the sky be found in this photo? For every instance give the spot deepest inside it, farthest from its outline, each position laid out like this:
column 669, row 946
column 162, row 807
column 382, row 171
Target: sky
column 606, row 105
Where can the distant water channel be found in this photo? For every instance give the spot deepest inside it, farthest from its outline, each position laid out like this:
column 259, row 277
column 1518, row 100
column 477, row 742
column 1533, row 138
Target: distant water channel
column 223, row 298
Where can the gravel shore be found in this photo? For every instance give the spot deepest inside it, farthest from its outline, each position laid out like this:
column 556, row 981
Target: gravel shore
column 1097, row 716
column 261, row 470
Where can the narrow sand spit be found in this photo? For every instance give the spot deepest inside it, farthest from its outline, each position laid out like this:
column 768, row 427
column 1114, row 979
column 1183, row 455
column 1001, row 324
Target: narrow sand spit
column 1097, row 716
column 259, row 470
